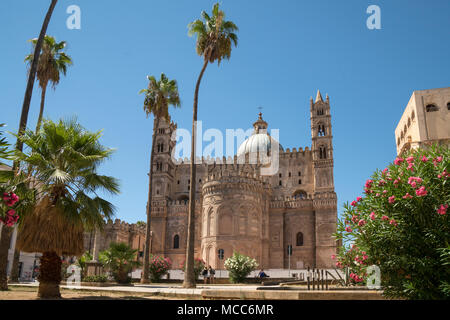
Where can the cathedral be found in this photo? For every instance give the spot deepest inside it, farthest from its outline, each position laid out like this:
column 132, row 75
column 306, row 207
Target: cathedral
column 239, row 209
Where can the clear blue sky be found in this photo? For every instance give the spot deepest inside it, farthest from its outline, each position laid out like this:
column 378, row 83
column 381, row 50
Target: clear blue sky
column 287, row 50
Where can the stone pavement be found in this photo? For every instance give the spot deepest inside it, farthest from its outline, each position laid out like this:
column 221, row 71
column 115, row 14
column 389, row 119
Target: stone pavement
column 230, row 292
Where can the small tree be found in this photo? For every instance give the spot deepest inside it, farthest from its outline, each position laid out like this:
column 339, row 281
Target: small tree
column 240, row 266
column 81, row 262
column 120, row 259
column 158, row 267
column 401, row 225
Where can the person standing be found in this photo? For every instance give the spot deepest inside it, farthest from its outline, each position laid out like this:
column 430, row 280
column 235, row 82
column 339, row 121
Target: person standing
column 205, row 275
column 212, row 274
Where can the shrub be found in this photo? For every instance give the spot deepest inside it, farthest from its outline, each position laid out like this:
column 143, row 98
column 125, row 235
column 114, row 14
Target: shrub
column 401, row 225
column 239, row 267
column 159, row 267
column 120, row 260
column 199, row 265
column 99, row 278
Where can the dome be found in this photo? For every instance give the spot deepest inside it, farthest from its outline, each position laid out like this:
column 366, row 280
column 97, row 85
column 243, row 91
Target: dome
column 258, row 142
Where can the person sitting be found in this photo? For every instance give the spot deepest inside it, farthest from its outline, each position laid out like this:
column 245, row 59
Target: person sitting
column 262, row 274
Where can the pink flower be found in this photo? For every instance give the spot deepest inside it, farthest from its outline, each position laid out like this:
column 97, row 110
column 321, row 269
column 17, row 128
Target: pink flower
column 348, row 229
column 424, row 159
column 393, row 222
column 384, row 191
column 361, row 223
column 333, row 256
column 410, row 166
column 437, row 160
column 377, row 194
column 384, row 218
column 396, row 181
column 372, row 215
column 442, row 209
column 398, row 161
column 421, row 192
column 358, row 199
column 410, row 159
column 353, row 203
column 416, row 179
column 368, row 184
column 407, row 196
column 413, row 184
column 385, row 171
column 391, row 199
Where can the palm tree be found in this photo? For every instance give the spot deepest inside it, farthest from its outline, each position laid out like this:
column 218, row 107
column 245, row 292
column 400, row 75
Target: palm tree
column 120, row 258
column 158, row 97
column 52, row 62
column 215, row 37
column 64, row 158
column 7, row 231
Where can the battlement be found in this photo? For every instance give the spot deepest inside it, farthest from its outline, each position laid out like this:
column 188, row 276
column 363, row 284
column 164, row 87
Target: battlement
column 124, row 226
column 295, row 153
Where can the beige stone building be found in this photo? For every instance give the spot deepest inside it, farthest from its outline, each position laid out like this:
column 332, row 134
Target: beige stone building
column 117, row 231
column 238, row 209
column 426, row 120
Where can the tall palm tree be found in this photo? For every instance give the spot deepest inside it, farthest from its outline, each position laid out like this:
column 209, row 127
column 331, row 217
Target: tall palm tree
column 159, row 95
column 7, row 231
column 52, row 62
column 215, row 38
column 64, row 158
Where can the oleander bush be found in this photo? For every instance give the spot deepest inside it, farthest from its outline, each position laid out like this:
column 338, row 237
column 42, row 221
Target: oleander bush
column 239, row 267
column 159, row 266
column 401, row 225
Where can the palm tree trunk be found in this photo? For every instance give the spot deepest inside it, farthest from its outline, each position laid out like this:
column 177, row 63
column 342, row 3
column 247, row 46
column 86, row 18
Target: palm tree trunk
column 4, row 251
column 41, row 110
column 6, row 237
column 145, row 268
column 14, row 273
column 49, row 276
column 31, row 77
column 189, row 275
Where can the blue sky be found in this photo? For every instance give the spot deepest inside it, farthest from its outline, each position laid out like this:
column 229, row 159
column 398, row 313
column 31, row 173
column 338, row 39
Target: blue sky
column 287, row 50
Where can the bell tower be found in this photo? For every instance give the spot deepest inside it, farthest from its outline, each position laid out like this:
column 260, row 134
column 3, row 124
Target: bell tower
column 322, row 143
column 163, row 166
column 325, row 200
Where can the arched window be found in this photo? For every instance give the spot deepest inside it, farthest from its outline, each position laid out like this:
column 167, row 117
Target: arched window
column 413, row 115
column 398, row 141
column 321, row 130
column 176, row 242
column 300, row 194
column 432, row 108
column 448, row 105
column 322, row 152
column 409, row 122
column 299, row 239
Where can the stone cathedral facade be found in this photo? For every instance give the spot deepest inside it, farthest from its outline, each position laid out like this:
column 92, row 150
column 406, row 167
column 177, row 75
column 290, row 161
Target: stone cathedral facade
column 238, row 209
